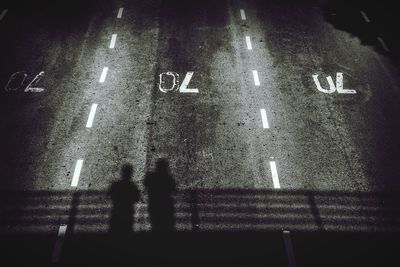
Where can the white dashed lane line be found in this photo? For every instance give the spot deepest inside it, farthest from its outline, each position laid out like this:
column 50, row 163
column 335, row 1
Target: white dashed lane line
column 113, row 40
column 264, row 119
column 256, row 80
column 59, row 242
column 383, row 44
column 274, row 172
column 77, row 172
column 289, row 248
column 91, row 116
column 365, row 16
column 103, row 75
column 3, row 14
column 248, row 43
column 242, row 14
column 119, row 15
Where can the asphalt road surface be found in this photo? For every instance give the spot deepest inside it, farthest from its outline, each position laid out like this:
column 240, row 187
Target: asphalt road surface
column 260, row 131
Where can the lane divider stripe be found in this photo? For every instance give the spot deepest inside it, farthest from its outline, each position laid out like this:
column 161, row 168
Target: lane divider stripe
column 77, row 172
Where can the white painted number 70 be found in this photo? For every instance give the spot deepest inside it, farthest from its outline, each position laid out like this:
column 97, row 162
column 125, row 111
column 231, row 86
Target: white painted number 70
column 174, row 83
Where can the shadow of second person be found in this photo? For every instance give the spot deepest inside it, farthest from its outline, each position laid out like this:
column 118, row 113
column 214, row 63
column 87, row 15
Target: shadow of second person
column 124, row 195
column 160, row 186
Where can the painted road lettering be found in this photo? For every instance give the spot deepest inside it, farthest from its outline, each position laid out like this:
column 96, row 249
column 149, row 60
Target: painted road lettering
column 169, row 81
column 164, row 77
column 183, row 88
column 18, row 79
column 332, row 87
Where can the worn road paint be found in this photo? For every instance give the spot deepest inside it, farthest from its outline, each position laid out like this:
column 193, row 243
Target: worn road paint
column 175, row 81
column 16, row 81
column 274, row 172
column 289, row 248
column 383, row 44
column 365, row 16
column 332, row 87
column 264, row 118
column 103, row 75
column 183, row 88
column 34, row 81
column 3, row 14
column 59, row 242
column 242, row 14
column 77, row 172
column 91, row 116
column 339, row 85
column 248, row 43
column 113, row 39
column 256, row 80
column 119, row 15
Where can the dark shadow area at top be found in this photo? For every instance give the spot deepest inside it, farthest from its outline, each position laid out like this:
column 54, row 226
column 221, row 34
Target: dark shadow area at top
column 160, row 186
column 383, row 22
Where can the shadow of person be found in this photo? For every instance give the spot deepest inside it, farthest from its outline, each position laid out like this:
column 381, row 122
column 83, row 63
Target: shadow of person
column 160, row 186
column 124, row 194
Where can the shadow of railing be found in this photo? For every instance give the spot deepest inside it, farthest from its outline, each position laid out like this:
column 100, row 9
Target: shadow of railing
column 209, row 210
column 235, row 227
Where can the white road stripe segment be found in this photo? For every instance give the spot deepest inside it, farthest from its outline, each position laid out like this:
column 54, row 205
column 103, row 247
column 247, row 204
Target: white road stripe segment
column 103, row 75
column 113, row 40
column 91, row 116
column 59, row 242
column 264, row 118
column 77, row 172
column 383, row 44
column 3, row 14
column 242, row 14
column 365, row 16
column 248, row 43
column 119, row 15
column 256, row 80
column 289, row 248
column 274, row 172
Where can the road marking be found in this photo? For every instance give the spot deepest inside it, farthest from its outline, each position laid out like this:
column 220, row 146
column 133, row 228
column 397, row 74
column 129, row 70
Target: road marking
column 3, row 14
column 77, row 172
column 120, row 13
column 242, row 14
column 256, row 80
column 59, row 242
column 274, row 172
column 383, row 44
column 264, row 118
column 91, row 116
column 103, row 75
column 113, row 39
column 183, row 88
column 248, row 42
column 365, row 16
column 289, row 248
